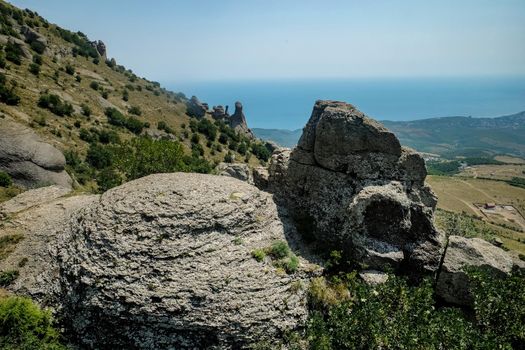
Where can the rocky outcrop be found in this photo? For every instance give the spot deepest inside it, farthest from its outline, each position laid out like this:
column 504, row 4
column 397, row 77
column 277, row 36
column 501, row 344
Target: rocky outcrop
column 196, row 108
column 350, row 186
column 238, row 171
column 164, row 262
column 453, row 282
column 219, row 113
column 100, row 47
column 32, row 35
column 238, row 121
column 29, row 160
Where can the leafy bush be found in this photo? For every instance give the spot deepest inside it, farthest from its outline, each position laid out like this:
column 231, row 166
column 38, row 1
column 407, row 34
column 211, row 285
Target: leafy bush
column 38, row 47
column 5, row 179
column 34, row 69
column 258, row 254
column 118, row 119
column 13, row 53
column 279, row 250
column 261, row 151
column 7, row 277
column 94, row 85
column 53, row 103
column 195, row 138
column 70, row 69
column 135, row 110
column 23, row 325
column 229, row 158
column 37, row 59
column 206, row 127
column 85, row 110
column 99, row 157
column 8, row 94
column 108, row 136
column 107, row 179
column 125, row 95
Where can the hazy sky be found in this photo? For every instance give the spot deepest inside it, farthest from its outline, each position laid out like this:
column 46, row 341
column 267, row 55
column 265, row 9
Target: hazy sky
column 175, row 40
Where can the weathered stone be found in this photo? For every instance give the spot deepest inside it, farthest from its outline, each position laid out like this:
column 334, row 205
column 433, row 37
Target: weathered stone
column 219, row 113
column 260, row 177
column 165, row 262
column 350, row 185
column 31, row 198
column 236, row 170
column 29, row 160
column 238, row 121
column 453, row 283
column 100, row 47
column 373, row 277
column 32, row 35
column 196, row 108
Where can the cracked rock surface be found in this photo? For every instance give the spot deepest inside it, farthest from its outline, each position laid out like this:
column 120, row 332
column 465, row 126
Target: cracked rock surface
column 349, row 185
column 165, row 262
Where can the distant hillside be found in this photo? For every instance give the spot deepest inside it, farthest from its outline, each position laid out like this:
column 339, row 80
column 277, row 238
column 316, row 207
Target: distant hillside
column 65, row 87
column 446, row 136
column 285, row 138
column 451, row 136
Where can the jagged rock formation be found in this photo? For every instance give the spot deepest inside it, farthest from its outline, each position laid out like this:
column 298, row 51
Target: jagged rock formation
column 100, row 47
column 165, row 262
column 196, row 108
column 28, row 159
column 453, row 282
column 219, row 113
column 238, row 120
column 32, row 35
column 350, row 185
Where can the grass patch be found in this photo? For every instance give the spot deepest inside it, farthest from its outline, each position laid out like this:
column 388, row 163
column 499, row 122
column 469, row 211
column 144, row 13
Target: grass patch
column 8, row 243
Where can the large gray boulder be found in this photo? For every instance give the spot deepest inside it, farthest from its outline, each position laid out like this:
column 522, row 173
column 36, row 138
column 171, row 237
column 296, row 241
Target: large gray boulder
column 28, row 159
column 453, row 282
column 238, row 171
column 164, row 262
column 196, row 108
column 350, row 186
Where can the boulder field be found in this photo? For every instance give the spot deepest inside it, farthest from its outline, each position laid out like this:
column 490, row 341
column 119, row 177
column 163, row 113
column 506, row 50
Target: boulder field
column 169, row 260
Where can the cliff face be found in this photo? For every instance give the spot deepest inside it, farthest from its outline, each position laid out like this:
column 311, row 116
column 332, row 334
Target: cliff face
column 350, row 186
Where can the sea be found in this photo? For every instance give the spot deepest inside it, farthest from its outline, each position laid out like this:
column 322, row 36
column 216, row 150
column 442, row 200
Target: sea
column 287, row 104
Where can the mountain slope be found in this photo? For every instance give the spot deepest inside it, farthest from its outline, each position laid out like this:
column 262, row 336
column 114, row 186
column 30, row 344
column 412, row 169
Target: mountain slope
column 63, row 86
column 447, row 136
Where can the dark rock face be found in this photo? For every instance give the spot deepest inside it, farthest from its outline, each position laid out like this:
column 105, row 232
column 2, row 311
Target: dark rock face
column 164, row 262
column 219, row 113
column 238, row 120
column 196, row 108
column 29, row 160
column 350, row 185
column 32, row 35
column 100, row 47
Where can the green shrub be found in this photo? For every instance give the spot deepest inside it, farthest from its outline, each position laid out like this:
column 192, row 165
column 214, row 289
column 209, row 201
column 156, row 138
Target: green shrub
column 94, row 85
column 108, row 136
column 5, row 179
column 53, row 103
column 23, row 325
column 8, row 94
column 118, row 119
column 99, row 157
column 13, row 53
column 7, row 277
column 258, row 254
column 279, row 250
column 291, row 264
column 229, row 158
column 37, row 59
column 104, row 94
column 135, row 110
column 107, row 179
column 85, row 110
column 125, row 95
column 70, row 69
column 206, row 127
column 34, row 69
column 78, row 78
column 38, row 47
column 260, row 151
column 195, row 138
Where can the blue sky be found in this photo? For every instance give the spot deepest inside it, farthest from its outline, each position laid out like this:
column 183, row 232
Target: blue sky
column 197, row 40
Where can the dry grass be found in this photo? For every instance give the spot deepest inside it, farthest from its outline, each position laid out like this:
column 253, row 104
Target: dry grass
column 498, row 172
column 510, row 160
column 458, row 195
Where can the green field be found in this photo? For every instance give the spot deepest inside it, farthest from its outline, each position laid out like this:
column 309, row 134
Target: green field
column 460, row 195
